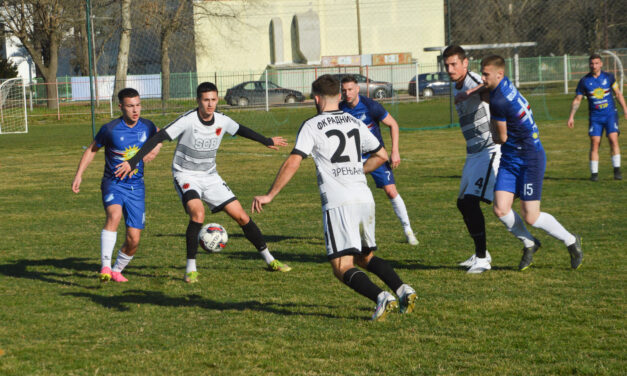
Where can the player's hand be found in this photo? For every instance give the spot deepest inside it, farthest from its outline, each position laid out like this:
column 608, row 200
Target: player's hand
column 122, row 170
column 76, row 184
column 461, row 96
column 571, row 123
column 395, row 159
column 278, row 141
column 259, row 202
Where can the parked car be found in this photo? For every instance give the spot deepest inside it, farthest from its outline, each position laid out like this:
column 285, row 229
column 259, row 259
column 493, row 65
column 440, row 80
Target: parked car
column 370, row 88
column 430, row 84
column 254, row 92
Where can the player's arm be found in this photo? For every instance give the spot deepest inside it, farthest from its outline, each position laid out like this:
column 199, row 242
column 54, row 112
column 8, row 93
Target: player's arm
column 498, row 129
column 125, row 168
column 619, row 97
column 270, row 142
column 395, row 157
column 86, row 159
column 573, row 109
column 377, row 158
column 480, row 90
column 153, row 154
column 285, row 174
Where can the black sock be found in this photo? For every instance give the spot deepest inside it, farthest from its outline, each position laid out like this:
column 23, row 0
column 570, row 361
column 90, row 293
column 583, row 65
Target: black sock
column 470, row 208
column 191, row 238
column 384, row 270
column 359, row 281
column 253, row 234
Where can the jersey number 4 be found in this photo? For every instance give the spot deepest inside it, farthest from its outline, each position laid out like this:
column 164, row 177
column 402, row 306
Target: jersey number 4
column 338, row 156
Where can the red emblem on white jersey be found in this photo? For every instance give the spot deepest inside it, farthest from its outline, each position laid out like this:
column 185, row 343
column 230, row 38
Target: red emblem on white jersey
column 218, row 131
column 186, row 185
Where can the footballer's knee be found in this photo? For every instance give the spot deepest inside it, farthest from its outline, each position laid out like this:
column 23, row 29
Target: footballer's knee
column 500, row 212
column 390, row 191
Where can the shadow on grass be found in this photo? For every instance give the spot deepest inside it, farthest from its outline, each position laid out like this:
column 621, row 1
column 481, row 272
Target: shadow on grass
column 562, row 178
column 268, row 238
column 420, row 266
column 158, row 298
column 64, row 268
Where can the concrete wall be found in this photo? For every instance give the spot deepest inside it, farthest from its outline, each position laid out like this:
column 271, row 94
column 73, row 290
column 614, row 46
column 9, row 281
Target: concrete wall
column 387, row 26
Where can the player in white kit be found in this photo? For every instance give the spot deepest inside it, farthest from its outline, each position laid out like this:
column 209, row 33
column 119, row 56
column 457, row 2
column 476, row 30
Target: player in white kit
column 199, row 133
column 336, row 141
column 482, row 154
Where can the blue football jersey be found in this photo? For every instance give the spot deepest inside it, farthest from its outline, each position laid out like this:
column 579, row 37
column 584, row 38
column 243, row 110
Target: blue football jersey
column 121, row 143
column 598, row 90
column 523, row 136
column 370, row 112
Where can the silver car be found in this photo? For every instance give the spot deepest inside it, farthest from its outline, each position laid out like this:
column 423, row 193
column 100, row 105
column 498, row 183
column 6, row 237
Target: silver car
column 369, row 88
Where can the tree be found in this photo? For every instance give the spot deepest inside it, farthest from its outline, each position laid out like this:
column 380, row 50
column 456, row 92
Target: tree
column 40, row 26
column 124, row 48
column 7, row 70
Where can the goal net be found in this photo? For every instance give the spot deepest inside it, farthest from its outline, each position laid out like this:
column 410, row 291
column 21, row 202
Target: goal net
column 13, row 118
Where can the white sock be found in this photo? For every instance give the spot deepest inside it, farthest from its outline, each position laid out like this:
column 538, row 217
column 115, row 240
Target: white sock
column 191, row 265
column 594, row 167
column 516, row 226
column 107, row 243
column 616, row 160
column 267, row 256
column 121, row 261
column 549, row 224
column 401, row 211
column 401, row 290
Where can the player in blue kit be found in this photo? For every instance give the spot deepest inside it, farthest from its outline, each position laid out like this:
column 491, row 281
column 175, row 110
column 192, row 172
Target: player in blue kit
column 121, row 138
column 522, row 165
column 597, row 86
column 371, row 112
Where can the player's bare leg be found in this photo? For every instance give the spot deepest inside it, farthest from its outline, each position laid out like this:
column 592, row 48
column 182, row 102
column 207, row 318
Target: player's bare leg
column 615, row 150
column 253, row 234
column 126, row 253
column 595, row 142
column 503, row 209
column 108, row 237
column 401, row 212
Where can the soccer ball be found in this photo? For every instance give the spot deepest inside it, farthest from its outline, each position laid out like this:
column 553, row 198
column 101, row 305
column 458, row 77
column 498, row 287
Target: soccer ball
column 212, row 237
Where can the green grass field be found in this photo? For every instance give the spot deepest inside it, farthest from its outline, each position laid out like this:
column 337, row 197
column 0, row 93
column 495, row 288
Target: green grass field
column 56, row 318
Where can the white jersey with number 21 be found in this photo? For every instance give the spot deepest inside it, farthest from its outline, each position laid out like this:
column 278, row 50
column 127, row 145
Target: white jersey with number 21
column 336, row 141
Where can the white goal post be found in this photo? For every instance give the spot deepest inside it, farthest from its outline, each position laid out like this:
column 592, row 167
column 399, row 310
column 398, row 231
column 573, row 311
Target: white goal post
column 13, row 116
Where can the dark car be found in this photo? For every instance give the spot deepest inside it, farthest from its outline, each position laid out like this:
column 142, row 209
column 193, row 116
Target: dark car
column 369, row 88
column 430, row 84
column 254, row 92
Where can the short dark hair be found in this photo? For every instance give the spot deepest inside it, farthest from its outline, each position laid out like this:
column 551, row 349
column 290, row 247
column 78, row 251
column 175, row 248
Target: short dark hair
column 349, row 78
column 494, row 60
column 452, row 50
column 326, row 85
column 595, row 56
column 205, row 87
column 128, row 92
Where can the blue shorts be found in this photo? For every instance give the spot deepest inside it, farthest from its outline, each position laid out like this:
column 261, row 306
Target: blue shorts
column 608, row 123
column 522, row 178
column 130, row 197
column 383, row 175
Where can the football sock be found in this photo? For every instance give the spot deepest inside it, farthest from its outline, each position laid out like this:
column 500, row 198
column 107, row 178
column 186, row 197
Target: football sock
column 359, row 281
column 191, row 238
column 475, row 223
column 267, row 256
column 384, row 270
column 253, row 234
column 616, row 160
column 107, row 243
column 399, row 291
column 516, row 226
column 121, row 261
column 401, row 211
column 549, row 224
column 594, row 167
column 191, row 265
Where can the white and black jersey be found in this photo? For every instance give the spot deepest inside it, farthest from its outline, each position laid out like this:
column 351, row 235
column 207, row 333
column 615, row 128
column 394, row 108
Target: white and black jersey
column 336, row 141
column 198, row 141
column 474, row 117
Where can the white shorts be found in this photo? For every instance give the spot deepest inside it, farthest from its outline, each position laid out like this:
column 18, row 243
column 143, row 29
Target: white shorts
column 210, row 188
column 479, row 174
column 349, row 230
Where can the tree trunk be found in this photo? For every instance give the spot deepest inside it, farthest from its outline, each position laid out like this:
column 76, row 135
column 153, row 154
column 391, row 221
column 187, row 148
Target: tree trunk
column 83, row 52
column 165, row 73
column 123, row 51
column 50, row 76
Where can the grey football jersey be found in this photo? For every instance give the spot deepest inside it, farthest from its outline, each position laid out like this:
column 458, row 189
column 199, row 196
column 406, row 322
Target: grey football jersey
column 474, row 117
column 197, row 142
